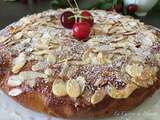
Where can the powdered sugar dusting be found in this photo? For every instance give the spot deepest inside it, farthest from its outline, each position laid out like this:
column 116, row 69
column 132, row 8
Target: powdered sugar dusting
column 112, row 45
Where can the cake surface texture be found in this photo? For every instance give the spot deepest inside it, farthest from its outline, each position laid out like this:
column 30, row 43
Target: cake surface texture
column 44, row 68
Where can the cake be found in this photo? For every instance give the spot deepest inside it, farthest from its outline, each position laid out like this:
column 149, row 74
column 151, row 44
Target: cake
column 44, row 68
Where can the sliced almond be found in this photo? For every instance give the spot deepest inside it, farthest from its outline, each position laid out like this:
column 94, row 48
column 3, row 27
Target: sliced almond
column 73, row 88
column 45, row 41
column 86, row 53
column 48, row 71
column 133, row 23
column 29, row 75
column 30, row 33
column 85, row 57
column 92, row 42
column 147, row 78
column 106, row 28
column 136, row 58
column 15, row 92
column 27, row 40
column 92, row 58
column 3, row 39
column 36, row 57
column 103, row 48
column 18, row 35
column 82, row 83
column 100, row 58
column 101, row 29
column 59, row 88
column 98, row 96
column 39, row 66
column 116, row 29
column 134, row 70
column 127, row 27
column 51, row 58
column 123, row 93
column 18, row 63
column 122, row 44
column 41, row 46
column 42, row 52
column 129, row 33
column 15, row 80
column 31, row 83
column 46, row 35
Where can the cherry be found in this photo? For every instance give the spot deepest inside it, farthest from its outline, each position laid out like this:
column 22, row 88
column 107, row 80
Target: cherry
column 67, row 19
column 81, row 30
column 132, row 8
column 89, row 17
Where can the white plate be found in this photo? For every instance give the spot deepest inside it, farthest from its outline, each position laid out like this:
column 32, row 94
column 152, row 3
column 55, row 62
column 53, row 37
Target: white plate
column 10, row 110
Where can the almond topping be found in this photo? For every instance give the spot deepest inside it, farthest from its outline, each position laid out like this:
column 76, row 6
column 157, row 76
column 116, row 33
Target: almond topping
column 31, row 83
column 29, row 75
column 147, row 78
column 19, row 62
column 15, row 92
column 41, row 46
column 3, row 39
column 100, row 58
column 41, row 52
column 15, row 81
column 124, row 93
column 39, row 66
column 92, row 58
column 98, row 96
column 48, row 71
column 59, row 88
column 134, row 70
column 73, row 88
column 51, row 59
column 82, row 83
column 18, row 35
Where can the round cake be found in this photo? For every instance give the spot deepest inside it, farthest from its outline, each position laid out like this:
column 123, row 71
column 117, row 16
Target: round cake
column 44, row 67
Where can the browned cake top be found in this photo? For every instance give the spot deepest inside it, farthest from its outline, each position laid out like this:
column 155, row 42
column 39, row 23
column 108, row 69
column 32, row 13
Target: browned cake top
column 121, row 55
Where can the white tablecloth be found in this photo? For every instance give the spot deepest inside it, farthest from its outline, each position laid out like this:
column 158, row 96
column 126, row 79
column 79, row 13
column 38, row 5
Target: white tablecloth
column 10, row 110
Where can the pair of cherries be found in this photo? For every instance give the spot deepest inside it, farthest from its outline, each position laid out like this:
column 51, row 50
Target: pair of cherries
column 80, row 23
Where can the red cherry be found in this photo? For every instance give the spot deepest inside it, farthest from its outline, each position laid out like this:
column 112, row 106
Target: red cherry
column 81, row 30
column 90, row 19
column 132, row 8
column 66, row 21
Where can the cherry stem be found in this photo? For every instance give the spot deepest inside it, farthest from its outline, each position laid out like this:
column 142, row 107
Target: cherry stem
column 79, row 16
column 76, row 5
column 70, row 4
column 71, row 17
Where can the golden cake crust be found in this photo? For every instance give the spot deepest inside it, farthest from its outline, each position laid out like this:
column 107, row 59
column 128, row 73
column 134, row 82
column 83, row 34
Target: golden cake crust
column 44, row 68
